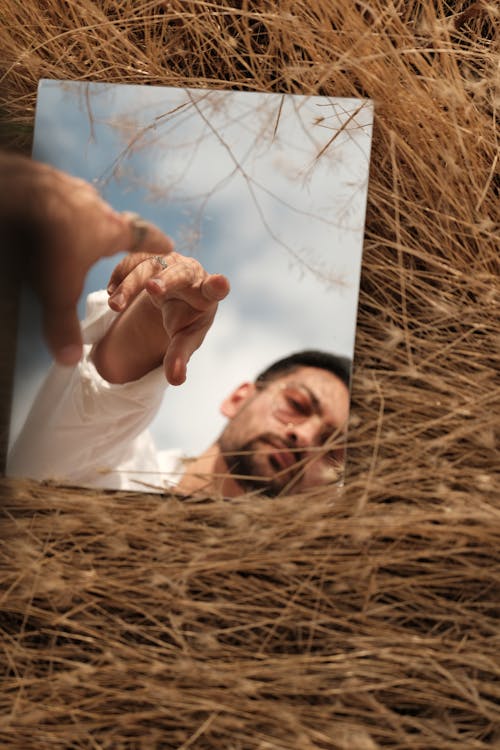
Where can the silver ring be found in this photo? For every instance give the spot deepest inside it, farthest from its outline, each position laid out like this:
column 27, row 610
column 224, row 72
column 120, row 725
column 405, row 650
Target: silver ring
column 160, row 260
column 140, row 228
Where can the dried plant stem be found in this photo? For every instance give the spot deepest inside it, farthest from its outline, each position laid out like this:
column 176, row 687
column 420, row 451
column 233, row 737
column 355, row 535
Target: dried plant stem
column 370, row 622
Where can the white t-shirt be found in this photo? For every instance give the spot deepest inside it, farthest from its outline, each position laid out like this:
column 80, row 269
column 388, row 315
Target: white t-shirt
column 83, row 430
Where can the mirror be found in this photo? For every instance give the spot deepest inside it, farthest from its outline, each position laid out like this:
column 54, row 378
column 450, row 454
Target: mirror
column 269, row 190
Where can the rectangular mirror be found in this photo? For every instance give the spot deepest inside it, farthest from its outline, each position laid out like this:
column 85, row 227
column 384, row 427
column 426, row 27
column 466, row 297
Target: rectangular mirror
column 269, row 190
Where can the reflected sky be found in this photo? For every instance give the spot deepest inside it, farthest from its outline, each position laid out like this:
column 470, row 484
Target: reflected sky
column 268, row 189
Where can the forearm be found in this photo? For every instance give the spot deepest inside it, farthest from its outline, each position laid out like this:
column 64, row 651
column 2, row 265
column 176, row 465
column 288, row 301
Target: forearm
column 80, row 424
column 134, row 345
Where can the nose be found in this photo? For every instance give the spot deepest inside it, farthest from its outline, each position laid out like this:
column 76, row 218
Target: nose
column 305, row 434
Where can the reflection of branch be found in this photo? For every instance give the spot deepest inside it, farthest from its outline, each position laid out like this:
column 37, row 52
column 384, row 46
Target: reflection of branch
column 308, row 134
column 218, row 118
column 238, row 168
column 140, row 134
column 318, row 274
column 301, row 211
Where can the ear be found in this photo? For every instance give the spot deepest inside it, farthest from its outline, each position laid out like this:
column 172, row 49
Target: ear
column 233, row 403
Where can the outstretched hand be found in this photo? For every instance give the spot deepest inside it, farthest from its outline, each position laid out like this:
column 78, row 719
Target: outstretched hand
column 185, row 295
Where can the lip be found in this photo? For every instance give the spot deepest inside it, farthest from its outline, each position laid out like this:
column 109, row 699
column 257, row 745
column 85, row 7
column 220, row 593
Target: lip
column 281, row 455
column 285, row 459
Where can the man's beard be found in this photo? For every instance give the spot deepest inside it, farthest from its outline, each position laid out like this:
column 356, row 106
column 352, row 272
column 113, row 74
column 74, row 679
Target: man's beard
column 252, row 466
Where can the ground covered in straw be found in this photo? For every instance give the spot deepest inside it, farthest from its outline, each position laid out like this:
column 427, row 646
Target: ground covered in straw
column 361, row 622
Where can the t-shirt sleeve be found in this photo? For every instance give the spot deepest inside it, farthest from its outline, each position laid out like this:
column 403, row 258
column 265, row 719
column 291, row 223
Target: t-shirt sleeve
column 79, row 421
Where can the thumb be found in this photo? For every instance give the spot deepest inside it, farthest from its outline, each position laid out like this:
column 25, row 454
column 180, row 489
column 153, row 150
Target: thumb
column 62, row 333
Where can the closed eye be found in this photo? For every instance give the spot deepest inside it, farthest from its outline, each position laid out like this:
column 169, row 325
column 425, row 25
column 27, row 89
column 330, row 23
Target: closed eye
column 300, row 406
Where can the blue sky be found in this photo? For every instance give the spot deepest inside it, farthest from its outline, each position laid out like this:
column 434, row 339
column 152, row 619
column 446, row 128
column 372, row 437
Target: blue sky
column 267, row 189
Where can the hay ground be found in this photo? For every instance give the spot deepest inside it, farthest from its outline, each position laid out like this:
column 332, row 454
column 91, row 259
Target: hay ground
column 128, row 621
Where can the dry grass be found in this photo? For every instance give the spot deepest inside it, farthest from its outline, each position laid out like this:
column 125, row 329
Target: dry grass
column 130, row 622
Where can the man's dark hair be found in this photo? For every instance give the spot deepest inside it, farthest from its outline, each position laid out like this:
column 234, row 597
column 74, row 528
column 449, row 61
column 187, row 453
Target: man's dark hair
column 334, row 363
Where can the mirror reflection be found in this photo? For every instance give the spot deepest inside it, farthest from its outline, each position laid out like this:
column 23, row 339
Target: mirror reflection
column 222, row 364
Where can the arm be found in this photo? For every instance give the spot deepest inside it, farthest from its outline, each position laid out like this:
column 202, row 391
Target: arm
column 80, row 423
column 89, row 416
column 134, row 345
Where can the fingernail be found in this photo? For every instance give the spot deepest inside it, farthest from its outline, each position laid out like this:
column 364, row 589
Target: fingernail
column 69, row 355
column 111, row 288
column 118, row 301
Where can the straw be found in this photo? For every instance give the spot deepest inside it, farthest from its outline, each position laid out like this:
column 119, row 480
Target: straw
column 357, row 621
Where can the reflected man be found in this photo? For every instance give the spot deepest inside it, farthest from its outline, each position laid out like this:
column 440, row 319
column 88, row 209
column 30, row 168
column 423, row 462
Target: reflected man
column 89, row 424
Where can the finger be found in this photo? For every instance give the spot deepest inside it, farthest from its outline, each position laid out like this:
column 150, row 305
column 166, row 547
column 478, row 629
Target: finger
column 124, row 267
column 62, row 333
column 180, row 317
column 145, row 237
column 110, row 231
column 133, row 284
column 190, row 283
column 181, row 347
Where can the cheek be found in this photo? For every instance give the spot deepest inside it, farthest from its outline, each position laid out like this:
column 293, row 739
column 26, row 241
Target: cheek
column 248, row 426
column 257, row 421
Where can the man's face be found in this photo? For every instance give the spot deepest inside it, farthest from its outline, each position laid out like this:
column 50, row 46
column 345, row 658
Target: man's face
column 286, row 435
